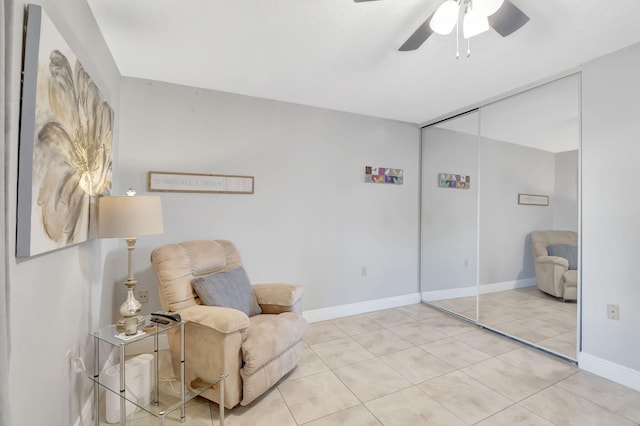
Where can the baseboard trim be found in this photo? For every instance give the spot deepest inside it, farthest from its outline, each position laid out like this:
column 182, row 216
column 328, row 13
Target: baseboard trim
column 332, row 312
column 610, row 370
column 456, row 293
column 507, row 285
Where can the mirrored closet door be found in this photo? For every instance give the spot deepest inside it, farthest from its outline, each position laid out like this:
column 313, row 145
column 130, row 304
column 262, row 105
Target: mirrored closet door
column 519, row 160
column 528, row 206
column 449, row 215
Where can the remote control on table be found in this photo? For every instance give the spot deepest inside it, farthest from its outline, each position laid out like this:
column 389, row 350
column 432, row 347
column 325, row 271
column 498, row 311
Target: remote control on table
column 173, row 316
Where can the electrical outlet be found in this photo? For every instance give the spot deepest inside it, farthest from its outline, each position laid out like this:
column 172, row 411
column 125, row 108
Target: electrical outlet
column 364, row 272
column 143, row 296
column 613, row 311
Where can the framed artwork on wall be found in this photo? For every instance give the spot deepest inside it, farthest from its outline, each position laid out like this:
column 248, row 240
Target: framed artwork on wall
column 533, row 200
column 65, row 154
column 387, row 175
column 199, row 182
column 451, row 180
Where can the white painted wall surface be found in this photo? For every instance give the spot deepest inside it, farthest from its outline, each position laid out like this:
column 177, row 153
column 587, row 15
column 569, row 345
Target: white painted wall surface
column 449, row 216
column 565, row 198
column 610, row 208
column 312, row 219
column 505, row 170
column 56, row 298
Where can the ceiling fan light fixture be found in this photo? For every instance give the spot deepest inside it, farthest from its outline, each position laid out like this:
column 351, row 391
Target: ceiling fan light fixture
column 474, row 23
column 487, row 7
column 445, row 17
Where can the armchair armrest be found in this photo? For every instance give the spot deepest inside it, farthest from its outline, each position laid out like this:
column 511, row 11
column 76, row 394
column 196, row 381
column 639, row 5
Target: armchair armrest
column 223, row 320
column 553, row 260
column 278, row 298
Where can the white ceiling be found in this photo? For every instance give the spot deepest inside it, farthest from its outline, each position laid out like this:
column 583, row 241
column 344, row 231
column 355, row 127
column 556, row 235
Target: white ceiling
column 343, row 55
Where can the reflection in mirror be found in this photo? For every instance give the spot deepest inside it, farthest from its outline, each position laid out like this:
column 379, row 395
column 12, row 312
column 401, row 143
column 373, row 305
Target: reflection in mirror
column 529, row 145
column 449, row 214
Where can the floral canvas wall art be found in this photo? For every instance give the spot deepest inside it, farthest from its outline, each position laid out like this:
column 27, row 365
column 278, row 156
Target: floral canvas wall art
column 65, row 143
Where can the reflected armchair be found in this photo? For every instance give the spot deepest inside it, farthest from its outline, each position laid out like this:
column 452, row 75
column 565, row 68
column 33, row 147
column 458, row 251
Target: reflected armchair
column 254, row 349
column 555, row 259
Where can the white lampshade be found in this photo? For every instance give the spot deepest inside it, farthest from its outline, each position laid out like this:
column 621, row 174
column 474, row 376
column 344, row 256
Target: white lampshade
column 127, row 216
column 487, row 7
column 445, row 17
column 474, row 23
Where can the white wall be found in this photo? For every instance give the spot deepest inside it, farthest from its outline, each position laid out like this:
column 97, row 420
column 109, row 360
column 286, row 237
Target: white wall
column 449, row 216
column 611, row 213
column 55, row 299
column 565, row 197
column 505, row 170
column 312, row 219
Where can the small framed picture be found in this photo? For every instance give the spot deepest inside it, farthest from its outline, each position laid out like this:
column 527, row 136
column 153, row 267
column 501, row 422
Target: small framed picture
column 533, row 200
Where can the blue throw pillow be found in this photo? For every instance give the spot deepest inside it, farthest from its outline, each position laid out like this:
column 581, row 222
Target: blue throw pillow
column 566, row 251
column 230, row 289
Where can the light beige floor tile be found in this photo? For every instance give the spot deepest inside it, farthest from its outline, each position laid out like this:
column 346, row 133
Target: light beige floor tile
column 411, row 407
column 198, row 413
column 371, row 379
column 612, row 396
column 453, row 305
column 455, row 352
column 450, row 325
column 357, row 324
column 418, row 333
column 510, row 381
column 268, row 410
column 465, row 397
column 515, row 416
column 338, row 353
column 316, row 396
column 526, row 329
column 416, row 365
column 382, row 342
column 565, row 344
column 310, row 363
column 487, row 342
column 324, row 331
column 539, row 364
column 358, row 415
column 420, row 312
column 565, row 408
column 493, row 316
column 389, row 317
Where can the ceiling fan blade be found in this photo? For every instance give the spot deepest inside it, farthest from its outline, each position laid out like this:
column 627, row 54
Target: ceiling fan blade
column 418, row 37
column 508, row 19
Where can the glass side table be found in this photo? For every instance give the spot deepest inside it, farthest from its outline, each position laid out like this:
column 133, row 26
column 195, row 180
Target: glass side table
column 160, row 404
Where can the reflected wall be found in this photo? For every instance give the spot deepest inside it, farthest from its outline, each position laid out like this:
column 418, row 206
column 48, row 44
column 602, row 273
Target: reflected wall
column 449, row 215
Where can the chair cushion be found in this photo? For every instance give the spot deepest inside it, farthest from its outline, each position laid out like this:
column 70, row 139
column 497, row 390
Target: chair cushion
column 565, row 251
column 268, row 336
column 230, row 289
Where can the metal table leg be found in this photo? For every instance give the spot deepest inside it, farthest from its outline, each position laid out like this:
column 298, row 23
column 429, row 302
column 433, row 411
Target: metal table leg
column 123, row 406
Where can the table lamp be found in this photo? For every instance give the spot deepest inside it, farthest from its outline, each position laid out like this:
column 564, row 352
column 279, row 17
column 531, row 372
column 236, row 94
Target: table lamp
column 129, row 217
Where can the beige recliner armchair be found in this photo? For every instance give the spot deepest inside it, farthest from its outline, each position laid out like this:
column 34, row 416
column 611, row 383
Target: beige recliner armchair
column 553, row 275
column 255, row 352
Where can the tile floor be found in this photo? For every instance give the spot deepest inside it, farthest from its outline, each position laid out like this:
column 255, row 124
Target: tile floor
column 417, row 366
column 526, row 313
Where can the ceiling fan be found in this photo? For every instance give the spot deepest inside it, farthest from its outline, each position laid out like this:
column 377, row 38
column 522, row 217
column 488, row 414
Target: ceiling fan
column 478, row 15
